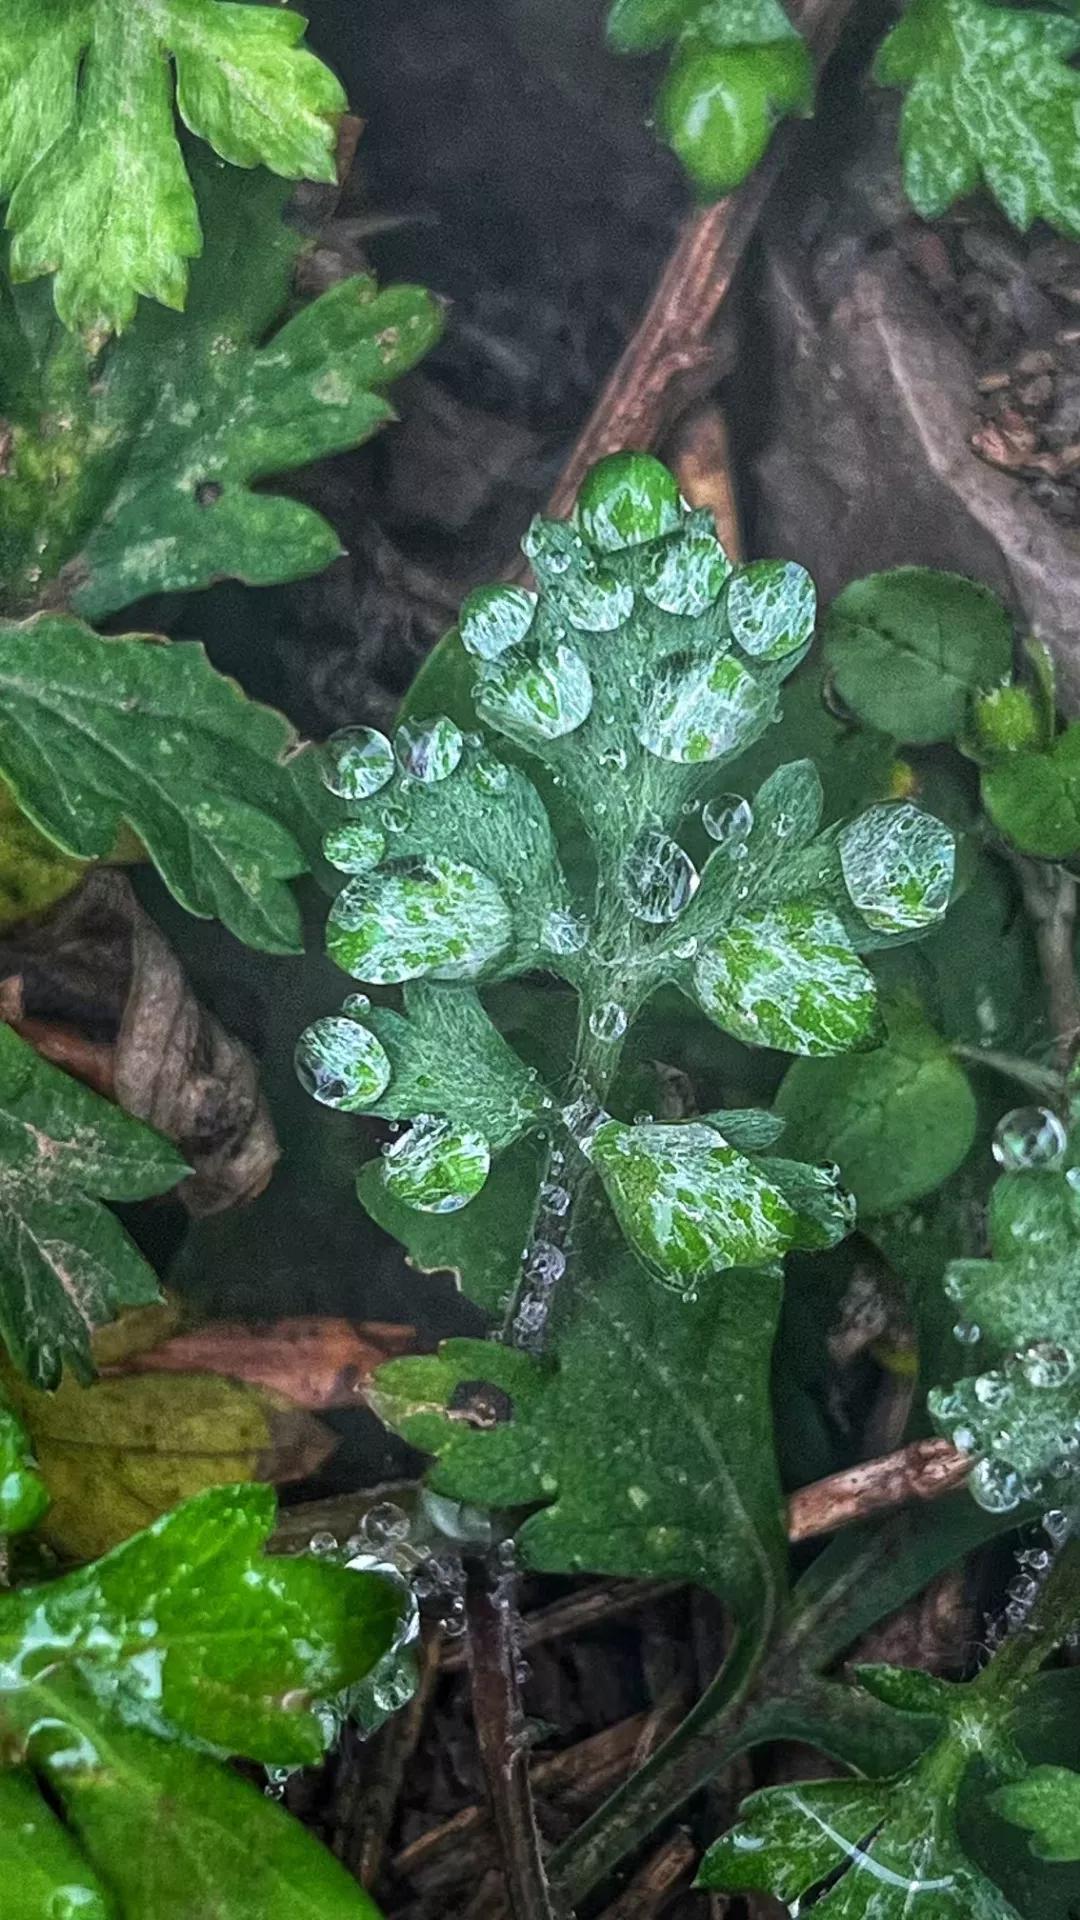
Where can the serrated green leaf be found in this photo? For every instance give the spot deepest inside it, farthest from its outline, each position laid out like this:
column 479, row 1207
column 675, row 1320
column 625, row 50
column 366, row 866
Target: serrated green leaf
column 66, row 1265
column 1047, row 1804
column 121, row 1680
column 1034, row 798
column 1021, row 1415
column 897, row 1121
column 601, row 1438
column 133, row 472
column 737, row 70
column 97, row 733
column 908, row 649
column 89, row 154
column 991, row 100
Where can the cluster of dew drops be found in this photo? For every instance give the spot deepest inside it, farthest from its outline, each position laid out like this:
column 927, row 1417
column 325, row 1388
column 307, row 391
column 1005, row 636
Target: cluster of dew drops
column 1027, row 1140
column 433, row 1166
column 422, row 1554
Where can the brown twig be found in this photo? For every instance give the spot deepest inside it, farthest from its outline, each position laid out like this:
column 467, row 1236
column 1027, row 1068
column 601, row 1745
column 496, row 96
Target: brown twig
column 592, row 1607
column 491, row 1600
column 1050, row 896
column 922, row 1471
column 663, row 1873
column 668, row 359
column 92, row 1061
column 371, row 1777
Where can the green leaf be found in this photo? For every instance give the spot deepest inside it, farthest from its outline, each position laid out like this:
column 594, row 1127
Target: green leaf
column 1034, row 798
column 89, row 153
column 789, row 978
column 897, row 1121
column 991, row 100
column 43, row 1873
column 1047, row 1803
column 908, row 649
column 1021, row 1415
column 692, row 1206
column 133, row 472
column 480, row 1245
column 66, row 1265
column 737, row 70
column 23, row 1499
column 643, row 664
column 603, row 1438
column 96, row 734
column 122, row 1679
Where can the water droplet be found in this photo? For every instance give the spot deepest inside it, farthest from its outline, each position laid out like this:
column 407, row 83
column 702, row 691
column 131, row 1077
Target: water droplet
column 687, row 574
column 728, row 819
column 429, row 750
column 490, row 775
column 627, row 499
column 608, row 1022
column 967, row 1333
column 341, row 1064
column 963, row 1439
column 564, row 932
column 1030, row 1139
column 415, row 917
column 686, row 949
column 536, row 699
column 552, row 547
column 436, row 1167
column 704, row 710
column 384, row 1525
column 1045, row 1364
column 546, row 1264
column 658, row 878
column 495, row 618
column 356, row 762
column 354, row 847
column 772, row 606
column 993, row 1390
column 995, row 1486
column 1057, row 1524
column 555, row 1200
column 323, row 1544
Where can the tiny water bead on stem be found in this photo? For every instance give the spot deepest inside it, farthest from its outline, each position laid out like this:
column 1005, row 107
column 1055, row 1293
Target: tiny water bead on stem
column 643, row 663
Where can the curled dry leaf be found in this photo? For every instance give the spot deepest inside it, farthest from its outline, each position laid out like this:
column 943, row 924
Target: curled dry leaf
column 315, row 1363
column 98, row 968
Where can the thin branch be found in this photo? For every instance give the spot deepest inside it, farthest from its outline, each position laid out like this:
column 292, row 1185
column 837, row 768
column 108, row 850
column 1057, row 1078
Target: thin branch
column 1050, row 896
column 669, row 360
column 922, row 1471
column 501, row 1731
column 662, row 1875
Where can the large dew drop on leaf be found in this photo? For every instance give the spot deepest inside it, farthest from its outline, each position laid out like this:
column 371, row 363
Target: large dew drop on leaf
column 898, row 867
column 357, row 761
column 535, row 699
column 341, row 1064
column 627, row 499
column 689, row 1204
column 788, row 977
column 415, row 917
column 686, row 575
column 494, row 619
column 658, row 878
column 704, row 710
column 436, row 1167
column 772, row 606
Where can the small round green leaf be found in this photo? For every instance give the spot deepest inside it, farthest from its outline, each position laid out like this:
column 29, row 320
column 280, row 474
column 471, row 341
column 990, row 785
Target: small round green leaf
column 907, row 650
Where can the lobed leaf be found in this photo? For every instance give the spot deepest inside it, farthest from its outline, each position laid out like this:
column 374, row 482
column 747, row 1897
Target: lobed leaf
column 89, row 155
column 992, row 101
column 127, row 1682
column 133, row 472
column 99, row 734
column 66, row 1265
